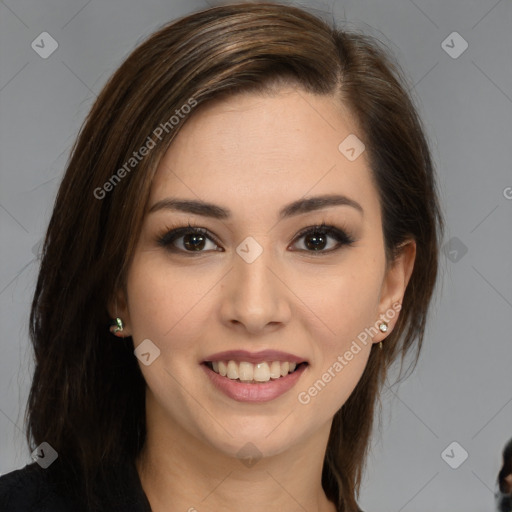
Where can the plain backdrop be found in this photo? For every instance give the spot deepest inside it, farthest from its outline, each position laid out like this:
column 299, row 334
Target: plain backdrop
column 458, row 403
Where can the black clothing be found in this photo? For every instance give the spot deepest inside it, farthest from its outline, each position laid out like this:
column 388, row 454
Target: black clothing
column 34, row 489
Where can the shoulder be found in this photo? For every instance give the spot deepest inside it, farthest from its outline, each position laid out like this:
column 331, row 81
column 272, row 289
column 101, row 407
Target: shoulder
column 34, row 489
column 30, row 490
column 503, row 501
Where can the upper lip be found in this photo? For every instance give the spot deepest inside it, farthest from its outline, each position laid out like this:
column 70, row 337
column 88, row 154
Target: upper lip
column 255, row 357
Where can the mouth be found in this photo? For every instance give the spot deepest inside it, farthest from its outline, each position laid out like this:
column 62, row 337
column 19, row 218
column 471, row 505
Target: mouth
column 257, row 382
column 254, row 373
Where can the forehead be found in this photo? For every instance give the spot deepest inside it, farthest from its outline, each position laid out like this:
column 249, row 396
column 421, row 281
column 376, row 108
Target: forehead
column 251, row 149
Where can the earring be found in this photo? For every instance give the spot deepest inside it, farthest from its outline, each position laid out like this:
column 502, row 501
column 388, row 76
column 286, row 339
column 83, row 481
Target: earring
column 117, row 326
column 383, row 327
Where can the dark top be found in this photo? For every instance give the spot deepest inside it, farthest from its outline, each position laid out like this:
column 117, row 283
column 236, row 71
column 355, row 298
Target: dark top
column 503, row 501
column 34, row 489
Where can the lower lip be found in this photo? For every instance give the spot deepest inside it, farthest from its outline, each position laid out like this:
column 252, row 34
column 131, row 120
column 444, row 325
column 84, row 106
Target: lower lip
column 263, row 392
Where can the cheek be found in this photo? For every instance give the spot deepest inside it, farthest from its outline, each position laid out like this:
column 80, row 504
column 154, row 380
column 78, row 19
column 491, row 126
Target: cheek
column 163, row 298
column 346, row 302
column 344, row 299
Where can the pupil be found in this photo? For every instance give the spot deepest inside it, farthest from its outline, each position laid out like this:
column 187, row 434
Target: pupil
column 196, row 242
column 193, row 241
column 318, row 241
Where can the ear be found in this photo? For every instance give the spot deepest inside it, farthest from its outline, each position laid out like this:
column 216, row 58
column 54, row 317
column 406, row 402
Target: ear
column 394, row 285
column 117, row 307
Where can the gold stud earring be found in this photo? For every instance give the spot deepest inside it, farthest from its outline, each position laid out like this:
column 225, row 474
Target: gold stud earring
column 117, row 327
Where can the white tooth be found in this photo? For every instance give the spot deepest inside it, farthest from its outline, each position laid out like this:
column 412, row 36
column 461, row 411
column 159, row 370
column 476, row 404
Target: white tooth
column 275, row 370
column 245, row 371
column 261, row 372
column 232, row 370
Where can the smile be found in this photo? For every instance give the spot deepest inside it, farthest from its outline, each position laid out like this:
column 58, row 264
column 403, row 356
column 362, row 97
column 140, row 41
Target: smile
column 243, row 371
column 253, row 382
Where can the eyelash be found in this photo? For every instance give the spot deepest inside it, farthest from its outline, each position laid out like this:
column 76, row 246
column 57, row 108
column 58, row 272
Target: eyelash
column 173, row 233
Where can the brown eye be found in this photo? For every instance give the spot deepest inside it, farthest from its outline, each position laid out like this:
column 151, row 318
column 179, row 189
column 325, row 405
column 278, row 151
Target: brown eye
column 316, row 239
column 193, row 240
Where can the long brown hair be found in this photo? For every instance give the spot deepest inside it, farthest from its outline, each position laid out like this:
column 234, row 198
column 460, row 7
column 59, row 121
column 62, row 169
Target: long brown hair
column 87, row 393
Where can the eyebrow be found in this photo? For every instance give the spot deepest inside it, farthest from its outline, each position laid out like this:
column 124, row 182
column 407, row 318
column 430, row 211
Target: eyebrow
column 303, row 205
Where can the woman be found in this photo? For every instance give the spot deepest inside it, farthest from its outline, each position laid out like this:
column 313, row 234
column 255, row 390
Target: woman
column 251, row 206
column 503, row 491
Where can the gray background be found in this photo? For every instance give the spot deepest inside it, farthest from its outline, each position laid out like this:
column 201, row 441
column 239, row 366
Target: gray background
column 462, row 388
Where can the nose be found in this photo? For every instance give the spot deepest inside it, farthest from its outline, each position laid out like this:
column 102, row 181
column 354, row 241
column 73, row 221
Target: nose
column 255, row 297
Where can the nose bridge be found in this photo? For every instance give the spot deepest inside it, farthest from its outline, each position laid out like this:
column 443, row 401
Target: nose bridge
column 254, row 285
column 255, row 297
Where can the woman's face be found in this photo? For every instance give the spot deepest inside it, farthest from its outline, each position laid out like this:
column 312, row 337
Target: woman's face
column 254, row 282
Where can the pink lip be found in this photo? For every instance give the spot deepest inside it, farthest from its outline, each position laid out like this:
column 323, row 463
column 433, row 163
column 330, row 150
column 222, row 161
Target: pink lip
column 255, row 357
column 262, row 392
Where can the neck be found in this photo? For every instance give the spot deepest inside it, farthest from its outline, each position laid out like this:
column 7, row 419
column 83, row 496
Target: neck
column 180, row 472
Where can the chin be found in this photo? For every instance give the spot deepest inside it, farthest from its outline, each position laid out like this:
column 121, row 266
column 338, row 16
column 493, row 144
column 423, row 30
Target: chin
column 253, row 442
